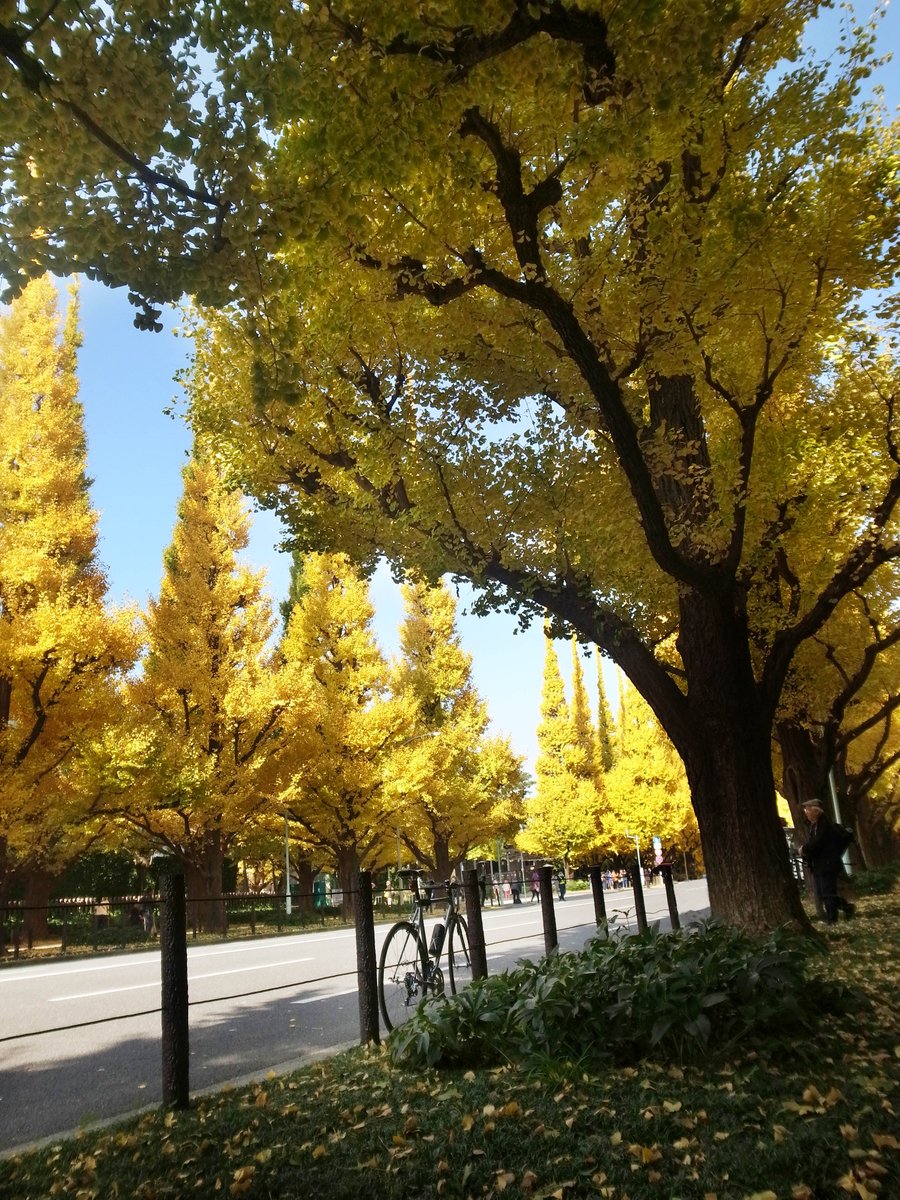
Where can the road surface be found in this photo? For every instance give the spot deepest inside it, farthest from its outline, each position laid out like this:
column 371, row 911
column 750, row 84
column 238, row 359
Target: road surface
column 303, row 1005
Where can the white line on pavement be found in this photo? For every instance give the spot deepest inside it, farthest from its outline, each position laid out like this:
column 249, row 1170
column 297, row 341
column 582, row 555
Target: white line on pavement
column 329, row 996
column 191, row 979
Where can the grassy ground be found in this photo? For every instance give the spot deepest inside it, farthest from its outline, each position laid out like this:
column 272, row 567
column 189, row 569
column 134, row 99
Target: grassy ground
column 804, row 1127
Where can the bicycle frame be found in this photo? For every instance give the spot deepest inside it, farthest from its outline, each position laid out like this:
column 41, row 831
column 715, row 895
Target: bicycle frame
column 420, row 902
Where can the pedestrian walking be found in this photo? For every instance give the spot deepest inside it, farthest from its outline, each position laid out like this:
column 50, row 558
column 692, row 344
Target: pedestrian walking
column 823, row 853
column 535, row 887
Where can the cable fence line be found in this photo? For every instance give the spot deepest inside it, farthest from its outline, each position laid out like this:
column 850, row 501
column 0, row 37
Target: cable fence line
column 73, row 925
column 34, row 1033
column 170, row 908
column 149, row 1012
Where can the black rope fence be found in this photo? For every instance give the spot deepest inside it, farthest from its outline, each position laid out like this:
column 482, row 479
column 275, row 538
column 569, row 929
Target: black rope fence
column 170, row 908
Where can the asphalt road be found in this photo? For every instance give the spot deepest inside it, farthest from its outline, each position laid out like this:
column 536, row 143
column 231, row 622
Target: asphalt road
column 256, row 1005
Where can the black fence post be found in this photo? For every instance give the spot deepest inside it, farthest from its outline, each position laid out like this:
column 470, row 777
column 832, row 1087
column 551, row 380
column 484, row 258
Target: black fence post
column 548, row 914
column 366, row 965
column 173, row 963
column 595, row 875
column 640, row 909
column 665, row 869
column 477, row 949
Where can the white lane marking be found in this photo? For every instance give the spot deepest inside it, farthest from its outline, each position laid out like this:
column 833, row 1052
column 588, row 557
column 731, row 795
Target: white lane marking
column 329, row 996
column 25, row 973
column 191, row 979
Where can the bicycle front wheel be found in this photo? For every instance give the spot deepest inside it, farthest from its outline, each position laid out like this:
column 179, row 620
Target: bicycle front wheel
column 459, row 960
column 401, row 974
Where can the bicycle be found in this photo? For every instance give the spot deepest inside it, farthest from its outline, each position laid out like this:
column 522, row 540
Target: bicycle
column 409, row 969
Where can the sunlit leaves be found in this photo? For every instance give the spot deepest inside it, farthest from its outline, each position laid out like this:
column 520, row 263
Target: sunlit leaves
column 565, row 1129
column 62, row 649
column 205, row 708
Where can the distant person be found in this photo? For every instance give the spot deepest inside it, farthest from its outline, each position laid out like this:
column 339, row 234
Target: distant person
column 535, row 887
column 515, row 887
column 823, row 853
column 561, row 884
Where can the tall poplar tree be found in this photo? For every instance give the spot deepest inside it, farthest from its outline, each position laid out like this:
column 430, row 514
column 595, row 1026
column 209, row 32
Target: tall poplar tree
column 204, row 713
column 461, row 786
column 62, row 649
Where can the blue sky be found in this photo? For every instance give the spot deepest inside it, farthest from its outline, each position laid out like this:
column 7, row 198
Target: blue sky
column 135, row 457
column 136, row 453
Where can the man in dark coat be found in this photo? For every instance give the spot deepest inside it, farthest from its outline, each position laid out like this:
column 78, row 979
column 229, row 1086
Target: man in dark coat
column 823, row 853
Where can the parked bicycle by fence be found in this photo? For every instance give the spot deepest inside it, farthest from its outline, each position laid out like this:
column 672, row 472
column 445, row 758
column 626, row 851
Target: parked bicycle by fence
column 409, row 968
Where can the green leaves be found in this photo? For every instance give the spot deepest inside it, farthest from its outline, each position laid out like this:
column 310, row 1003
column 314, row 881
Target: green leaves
column 681, row 996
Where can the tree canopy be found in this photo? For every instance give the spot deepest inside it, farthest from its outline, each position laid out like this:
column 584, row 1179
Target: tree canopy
column 564, row 300
column 196, row 747
column 62, row 648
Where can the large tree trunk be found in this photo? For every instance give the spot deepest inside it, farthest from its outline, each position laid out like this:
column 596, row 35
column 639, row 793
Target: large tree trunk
column 38, row 886
column 348, row 873
column 726, row 747
column 442, row 864
column 203, row 886
column 305, row 873
column 878, row 842
column 804, row 767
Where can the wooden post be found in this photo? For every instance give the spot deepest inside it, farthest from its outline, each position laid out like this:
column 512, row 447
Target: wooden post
column 665, row 869
column 366, row 965
column 173, row 961
column 548, row 914
column 640, row 909
column 477, row 949
column 595, row 874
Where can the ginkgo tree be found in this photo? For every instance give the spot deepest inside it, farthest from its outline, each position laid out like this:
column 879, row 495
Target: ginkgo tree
column 565, row 816
column 562, row 300
column 63, row 648
column 460, row 785
column 342, row 726
column 195, row 756
column 836, row 727
column 646, row 787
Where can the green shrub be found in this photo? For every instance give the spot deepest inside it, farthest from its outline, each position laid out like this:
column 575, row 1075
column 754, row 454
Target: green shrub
column 680, row 996
column 878, row 881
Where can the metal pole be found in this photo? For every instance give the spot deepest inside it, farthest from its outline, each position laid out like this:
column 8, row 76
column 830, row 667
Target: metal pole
column 366, row 963
column 477, row 949
column 551, row 940
column 173, row 969
column 832, row 787
column 287, row 869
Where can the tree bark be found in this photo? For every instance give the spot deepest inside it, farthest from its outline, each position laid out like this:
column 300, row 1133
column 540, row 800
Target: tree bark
column 348, row 870
column 726, row 750
column 804, row 767
column 38, row 886
column 442, row 864
column 203, row 884
column 305, row 874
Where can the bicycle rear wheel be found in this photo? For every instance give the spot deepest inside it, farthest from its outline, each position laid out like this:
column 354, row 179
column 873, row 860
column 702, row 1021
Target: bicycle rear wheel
column 401, row 974
column 459, row 960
